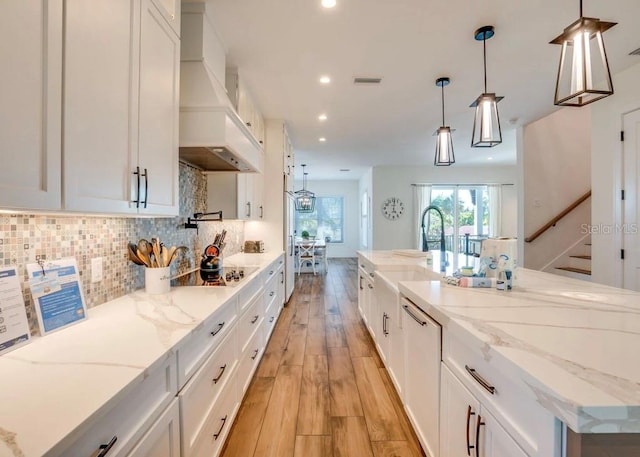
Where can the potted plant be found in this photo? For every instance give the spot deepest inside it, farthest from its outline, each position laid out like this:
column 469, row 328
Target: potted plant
column 305, row 235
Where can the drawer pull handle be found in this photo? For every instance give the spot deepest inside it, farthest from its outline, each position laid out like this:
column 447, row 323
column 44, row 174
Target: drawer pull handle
column 105, row 448
column 370, row 286
column 216, row 331
column 217, row 378
column 360, row 283
column 474, row 374
column 371, row 274
column 413, row 316
column 469, row 414
column 216, row 435
column 272, row 318
column 478, row 424
column 272, row 293
column 255, row 354
column 255, row 318
column 270, row 272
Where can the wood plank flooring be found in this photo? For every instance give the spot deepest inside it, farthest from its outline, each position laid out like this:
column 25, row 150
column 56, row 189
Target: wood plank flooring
column 321, row 390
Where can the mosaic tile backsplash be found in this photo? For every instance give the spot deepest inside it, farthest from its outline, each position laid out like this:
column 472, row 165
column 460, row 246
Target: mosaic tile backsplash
column 26, row 238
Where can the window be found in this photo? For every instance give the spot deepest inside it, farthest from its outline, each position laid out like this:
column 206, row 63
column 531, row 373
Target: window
column 326, row 221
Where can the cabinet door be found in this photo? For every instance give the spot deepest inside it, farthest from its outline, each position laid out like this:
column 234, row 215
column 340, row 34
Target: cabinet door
column 170, row 11
column 458, row 414
column 258, row 196
column 30, row 90
column 163, row 438
column 158, row 112
column 422, row 375
column 494, row 440
column 246, row 208
column 100, row 100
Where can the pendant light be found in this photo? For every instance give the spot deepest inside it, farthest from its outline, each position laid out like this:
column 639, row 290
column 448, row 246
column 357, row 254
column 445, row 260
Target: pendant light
column 444, row 142
column 305, row 200
column 583, row 74
column 486, row 123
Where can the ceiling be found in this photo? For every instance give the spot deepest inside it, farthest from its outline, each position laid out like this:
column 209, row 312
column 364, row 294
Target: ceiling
column 282, row 47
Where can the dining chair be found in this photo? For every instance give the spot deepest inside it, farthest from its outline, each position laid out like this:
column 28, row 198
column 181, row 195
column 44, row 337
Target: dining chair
column 306, row 254
column 321, row 253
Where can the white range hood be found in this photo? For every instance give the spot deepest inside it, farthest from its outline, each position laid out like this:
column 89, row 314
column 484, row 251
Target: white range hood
column 212, row 135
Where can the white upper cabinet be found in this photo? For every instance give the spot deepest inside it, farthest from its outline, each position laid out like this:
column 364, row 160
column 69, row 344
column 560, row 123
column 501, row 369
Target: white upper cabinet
column 170, row 11
column 30, row 90
column 120, row 108
column 158, row 111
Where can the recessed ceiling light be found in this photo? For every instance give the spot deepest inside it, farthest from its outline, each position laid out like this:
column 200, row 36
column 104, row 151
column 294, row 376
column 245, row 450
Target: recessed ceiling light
column 328, row 3
column 322, row 139
column 489, row 158
column 325, row 80
column 322, row 117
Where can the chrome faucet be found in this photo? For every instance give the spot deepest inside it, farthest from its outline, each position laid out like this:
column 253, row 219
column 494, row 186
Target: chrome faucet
column 425, row 244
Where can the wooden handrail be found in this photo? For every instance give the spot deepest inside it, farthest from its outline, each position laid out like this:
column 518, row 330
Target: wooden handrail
column 555, row 220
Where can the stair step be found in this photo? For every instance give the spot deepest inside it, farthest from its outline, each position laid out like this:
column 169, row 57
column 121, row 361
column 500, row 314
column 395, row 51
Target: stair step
column 575, row 270
column 585, row 257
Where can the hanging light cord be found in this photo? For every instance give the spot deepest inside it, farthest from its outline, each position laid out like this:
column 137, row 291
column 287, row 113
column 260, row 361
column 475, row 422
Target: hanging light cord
column 580, row 8
column 484, row 48
column 442, row 87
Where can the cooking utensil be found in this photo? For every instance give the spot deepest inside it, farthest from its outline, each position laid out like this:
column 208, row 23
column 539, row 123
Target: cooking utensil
column 173, row 252
column 144, row 258
column 165, row 254
column 131, row 250
column 155, row 246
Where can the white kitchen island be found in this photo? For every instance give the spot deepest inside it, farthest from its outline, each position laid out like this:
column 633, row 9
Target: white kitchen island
column 552, row 362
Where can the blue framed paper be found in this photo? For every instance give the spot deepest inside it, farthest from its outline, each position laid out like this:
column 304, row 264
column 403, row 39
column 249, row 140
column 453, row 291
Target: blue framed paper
column 57, row 294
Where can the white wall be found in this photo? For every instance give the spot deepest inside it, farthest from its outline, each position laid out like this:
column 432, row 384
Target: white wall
column 365, row 186
column 556, row 160
column 606, row 160
column 394, row 181
column 349, row 190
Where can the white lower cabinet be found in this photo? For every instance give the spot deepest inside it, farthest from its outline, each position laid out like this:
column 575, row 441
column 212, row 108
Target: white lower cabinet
column 163, row 438
column 422, row 374
column 203, row 392
column 467, row 427
column 121, row 428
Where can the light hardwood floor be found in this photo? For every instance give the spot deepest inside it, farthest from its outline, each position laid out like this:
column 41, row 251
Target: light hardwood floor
column 321, row 389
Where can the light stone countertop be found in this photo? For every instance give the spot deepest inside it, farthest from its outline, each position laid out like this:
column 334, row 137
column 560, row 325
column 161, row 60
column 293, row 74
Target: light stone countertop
column 52, row 389
column 574, row 343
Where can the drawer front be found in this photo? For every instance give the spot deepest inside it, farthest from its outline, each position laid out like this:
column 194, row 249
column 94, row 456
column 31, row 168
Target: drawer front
column 218, row 424
column 271, row 317
column 249, row 292
column 271, row 271
column 202, row 342
column 366, row 266
column 250, row 321
column 249, row 360
column 163, row 438
column 204, row 389
column 525, row 420
column 271, row 289
column 132, row 416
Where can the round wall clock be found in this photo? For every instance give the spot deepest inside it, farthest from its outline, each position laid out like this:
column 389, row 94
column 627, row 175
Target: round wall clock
column 392, row 208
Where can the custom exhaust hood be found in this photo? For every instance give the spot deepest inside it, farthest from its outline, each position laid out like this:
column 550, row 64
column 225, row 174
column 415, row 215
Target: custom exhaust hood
column 212, row 135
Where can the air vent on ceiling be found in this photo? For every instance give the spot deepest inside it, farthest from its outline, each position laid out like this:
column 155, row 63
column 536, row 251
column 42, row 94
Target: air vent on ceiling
column 635, row 53
column 361, row 80
column 345, row 169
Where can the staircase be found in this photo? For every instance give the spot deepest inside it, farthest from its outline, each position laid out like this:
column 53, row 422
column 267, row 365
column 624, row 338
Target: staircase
column 579, row 263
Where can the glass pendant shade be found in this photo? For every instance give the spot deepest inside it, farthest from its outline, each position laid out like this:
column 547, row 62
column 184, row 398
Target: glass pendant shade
column 444, row 143
column 583, row 74
column 444, row 148
column 486, row 123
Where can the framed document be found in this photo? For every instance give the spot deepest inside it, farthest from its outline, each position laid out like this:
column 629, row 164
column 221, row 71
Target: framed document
column 57, row 294
column 14, row 326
